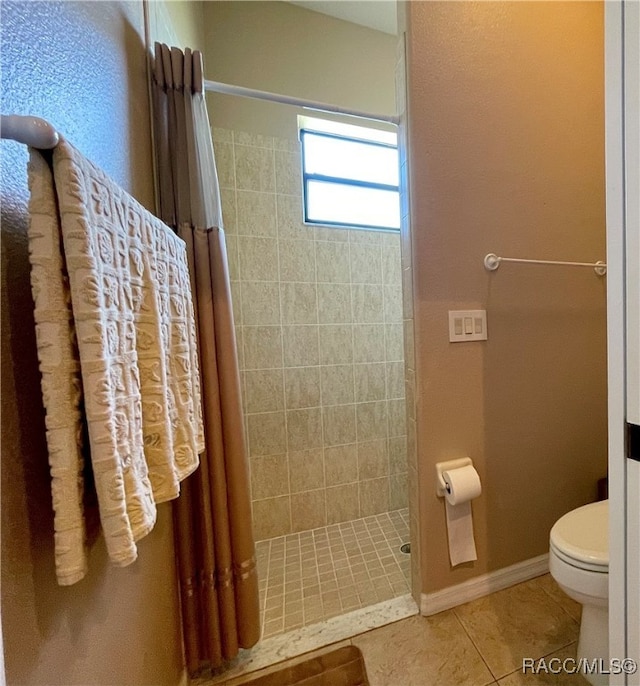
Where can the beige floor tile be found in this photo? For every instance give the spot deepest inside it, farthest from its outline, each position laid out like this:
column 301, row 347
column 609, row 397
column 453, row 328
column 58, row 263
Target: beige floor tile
column 548, row 584
column 522, row 621
column 519, row 678
column 421, row 651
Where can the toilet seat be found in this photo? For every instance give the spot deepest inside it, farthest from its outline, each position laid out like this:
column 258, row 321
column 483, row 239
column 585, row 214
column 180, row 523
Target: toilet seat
column 581, row 537
column 579, row 564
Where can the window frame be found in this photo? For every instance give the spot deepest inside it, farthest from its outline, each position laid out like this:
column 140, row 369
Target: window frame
column 337, row 180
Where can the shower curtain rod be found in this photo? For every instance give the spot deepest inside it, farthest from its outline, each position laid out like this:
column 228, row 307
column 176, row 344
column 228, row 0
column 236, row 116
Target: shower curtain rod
column 226, row 89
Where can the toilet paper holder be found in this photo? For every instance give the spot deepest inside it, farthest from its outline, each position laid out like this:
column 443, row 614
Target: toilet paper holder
column 441, row 486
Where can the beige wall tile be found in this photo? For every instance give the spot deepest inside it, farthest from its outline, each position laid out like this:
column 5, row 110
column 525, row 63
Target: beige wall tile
column 408, row 344
column 390, row 239
column 366, row 263
column 336, row 344
column 398, row 495
column 254, row 168
column 407, row 294
column 332, row 262
column 341, row 464
column 398, row 454
column 334, row 303
column 236, row 301
column 370, row 382
column 255, row 139
column 367, row 304
column 239, row 334
column 337, row 384
column 368, row 342
column 373, row 460
column 221, row 135
column 256, row 213
column 260, row 303
column 299, row 303
column 287, row 144
column 262, row 347
column 264, row 390
column 397, row 417
column 393, row 342
column 374, row 496
column 258, row 259
column 342, row 503
column 393, row 303
column 302, row 387
column 326, row 233
column 269, row 477
column 267, row 433
column 339, row 424
column 391, row 264
column 372, row 237
column 395, row 379
column 300, row 346
column 229, row 211
column 371, row 420
column 225, row 165
column 271, row 517
column 297, row 260
column 290, row 224
column 306, row 470
column 303, row 295
column 304, row 429
column 288, row 173
column 308, row 510
column 233, row 257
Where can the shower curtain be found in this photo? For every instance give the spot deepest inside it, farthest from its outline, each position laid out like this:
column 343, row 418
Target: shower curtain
column 214, row 540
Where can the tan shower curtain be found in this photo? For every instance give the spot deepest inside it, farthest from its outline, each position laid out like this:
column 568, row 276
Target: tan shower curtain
column 214, row 540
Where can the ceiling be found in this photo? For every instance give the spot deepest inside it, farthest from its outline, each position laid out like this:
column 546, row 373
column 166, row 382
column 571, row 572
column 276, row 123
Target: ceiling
column 375, row 14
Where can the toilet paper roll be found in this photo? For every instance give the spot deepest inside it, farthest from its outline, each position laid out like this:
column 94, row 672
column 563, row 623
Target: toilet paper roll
column 463, row 485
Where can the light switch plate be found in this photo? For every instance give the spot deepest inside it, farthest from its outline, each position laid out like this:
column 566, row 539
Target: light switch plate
column 467, row 325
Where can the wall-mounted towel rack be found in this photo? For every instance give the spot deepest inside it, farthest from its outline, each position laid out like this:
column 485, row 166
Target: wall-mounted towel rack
column 33, row 131
column 492, row 262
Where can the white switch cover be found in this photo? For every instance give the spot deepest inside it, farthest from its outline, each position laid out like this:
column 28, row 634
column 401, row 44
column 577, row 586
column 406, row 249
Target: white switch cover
column 467, row 325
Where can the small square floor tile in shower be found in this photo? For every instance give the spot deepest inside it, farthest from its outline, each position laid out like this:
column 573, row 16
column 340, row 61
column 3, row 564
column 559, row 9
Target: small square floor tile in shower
column 313, row 575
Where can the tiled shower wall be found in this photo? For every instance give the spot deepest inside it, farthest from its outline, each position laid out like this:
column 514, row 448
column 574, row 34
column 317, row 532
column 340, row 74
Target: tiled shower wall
column 319, row 324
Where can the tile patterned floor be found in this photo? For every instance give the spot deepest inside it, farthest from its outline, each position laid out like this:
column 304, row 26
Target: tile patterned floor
column 481, row 643
column 311, row 576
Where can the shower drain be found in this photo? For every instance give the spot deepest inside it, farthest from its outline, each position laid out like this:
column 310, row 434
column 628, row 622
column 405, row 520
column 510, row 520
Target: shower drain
column 405, row 548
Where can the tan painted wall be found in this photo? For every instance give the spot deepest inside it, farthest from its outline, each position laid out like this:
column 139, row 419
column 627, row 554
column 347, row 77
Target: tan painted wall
column 506, row 147
column 282, row 48
column 82, row 66
column 177, row 23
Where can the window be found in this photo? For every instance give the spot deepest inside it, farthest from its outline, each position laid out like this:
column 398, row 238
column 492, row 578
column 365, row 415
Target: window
column 350, row 175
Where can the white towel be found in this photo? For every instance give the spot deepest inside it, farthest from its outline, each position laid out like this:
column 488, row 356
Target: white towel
column 132, row 313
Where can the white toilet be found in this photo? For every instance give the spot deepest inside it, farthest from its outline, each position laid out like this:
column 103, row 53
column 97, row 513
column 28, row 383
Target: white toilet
column 579, row 562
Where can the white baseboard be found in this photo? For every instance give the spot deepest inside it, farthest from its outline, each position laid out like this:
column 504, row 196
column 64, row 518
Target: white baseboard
column 480, row 586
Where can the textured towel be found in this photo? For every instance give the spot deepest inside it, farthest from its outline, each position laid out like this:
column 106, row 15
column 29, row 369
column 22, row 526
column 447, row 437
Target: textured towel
column 134, row 367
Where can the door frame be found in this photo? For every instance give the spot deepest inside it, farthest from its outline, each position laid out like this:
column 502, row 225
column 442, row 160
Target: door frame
column 622, row 116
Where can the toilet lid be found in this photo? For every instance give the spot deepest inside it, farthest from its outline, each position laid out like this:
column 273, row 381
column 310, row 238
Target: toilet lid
column 583, row 535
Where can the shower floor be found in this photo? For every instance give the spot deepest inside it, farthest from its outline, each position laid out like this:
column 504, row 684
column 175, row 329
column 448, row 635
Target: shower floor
column 311, row 576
